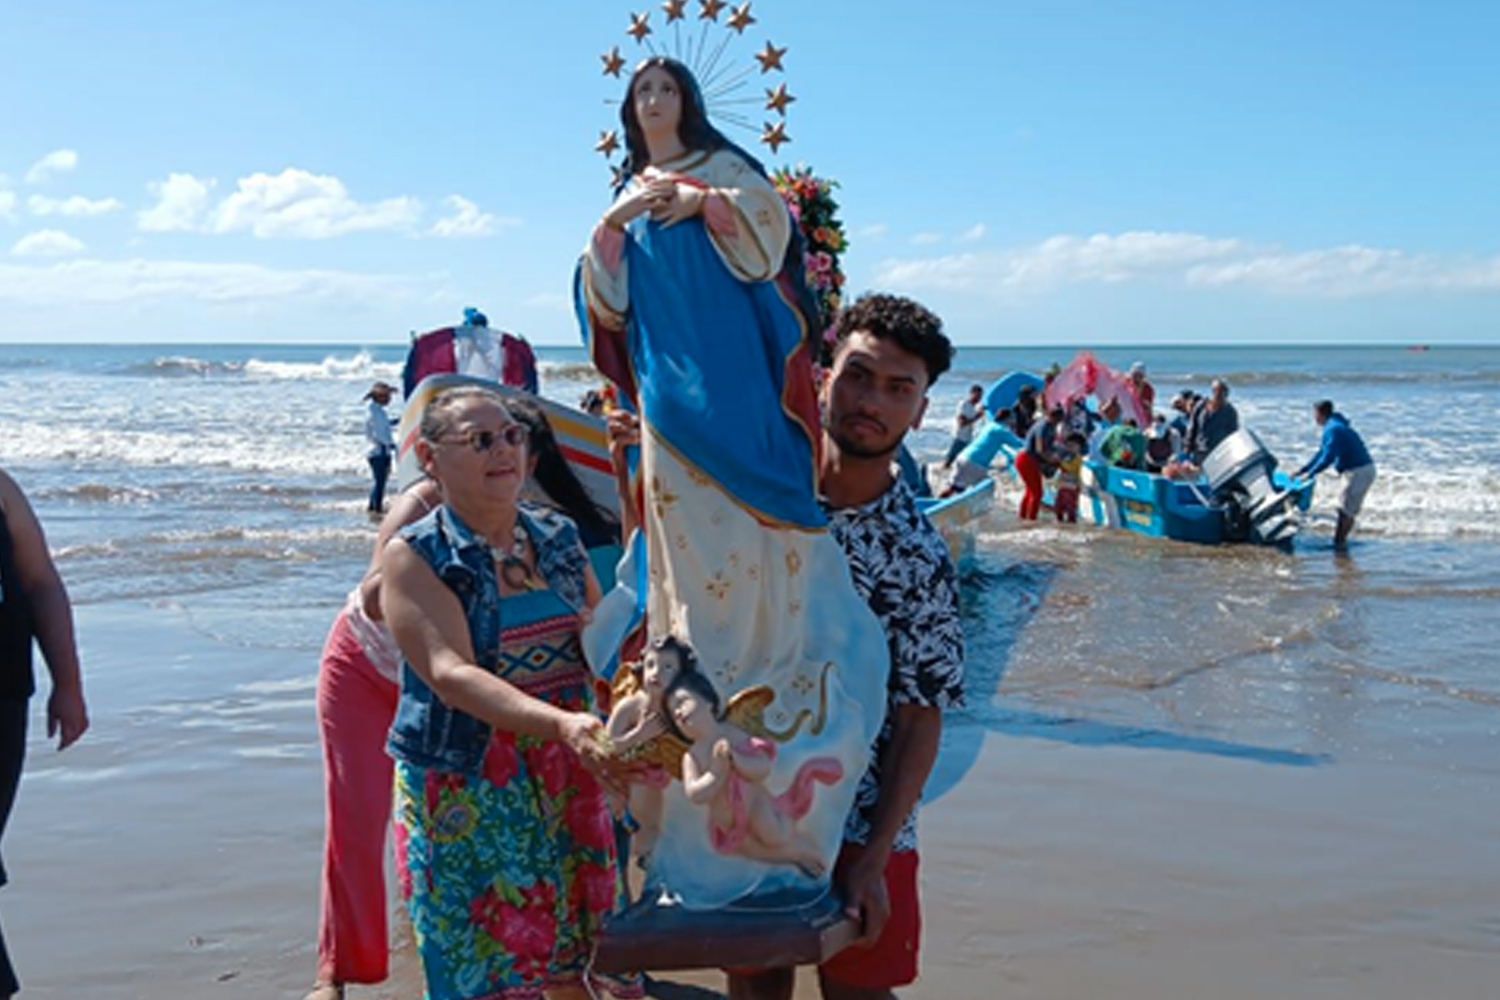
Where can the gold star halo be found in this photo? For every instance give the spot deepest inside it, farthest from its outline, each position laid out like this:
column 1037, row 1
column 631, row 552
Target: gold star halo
column 774, row 136
column 770, row 58
column 778, row 98
column 728, row 85
column 740, row 19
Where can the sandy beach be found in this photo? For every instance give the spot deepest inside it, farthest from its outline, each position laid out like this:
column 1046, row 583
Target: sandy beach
column 176, row 852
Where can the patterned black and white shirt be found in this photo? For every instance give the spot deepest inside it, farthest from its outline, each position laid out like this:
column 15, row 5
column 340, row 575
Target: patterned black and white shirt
column 901, row 567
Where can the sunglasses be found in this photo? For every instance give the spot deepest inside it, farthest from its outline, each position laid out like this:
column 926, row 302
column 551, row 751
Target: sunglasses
column 514, row 435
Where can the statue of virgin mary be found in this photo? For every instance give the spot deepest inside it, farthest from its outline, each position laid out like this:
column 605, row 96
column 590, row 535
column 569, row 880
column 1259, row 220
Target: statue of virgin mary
column 691, row 300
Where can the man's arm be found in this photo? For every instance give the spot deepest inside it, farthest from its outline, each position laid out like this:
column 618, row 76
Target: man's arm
column 52, row 615
column 928, row 651
column 904, row 768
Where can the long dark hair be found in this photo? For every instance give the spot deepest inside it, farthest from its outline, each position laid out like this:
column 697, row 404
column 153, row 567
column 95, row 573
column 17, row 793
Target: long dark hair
column 556, row 477
column 697, row 133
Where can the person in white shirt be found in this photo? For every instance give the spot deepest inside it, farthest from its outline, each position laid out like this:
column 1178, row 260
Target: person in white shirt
column 382, row 442
column 965, row 421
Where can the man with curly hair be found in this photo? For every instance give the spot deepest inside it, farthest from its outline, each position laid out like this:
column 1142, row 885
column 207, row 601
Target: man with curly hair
column 888, row 353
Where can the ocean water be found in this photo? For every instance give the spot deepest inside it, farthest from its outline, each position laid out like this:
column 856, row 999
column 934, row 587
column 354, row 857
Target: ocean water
column 205, row 506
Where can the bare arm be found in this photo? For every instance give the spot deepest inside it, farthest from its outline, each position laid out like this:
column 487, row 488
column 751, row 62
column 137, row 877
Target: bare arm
column 908, row 761
column 428, row 624
column 407, row 508
column 904, row 769
column 52, row 613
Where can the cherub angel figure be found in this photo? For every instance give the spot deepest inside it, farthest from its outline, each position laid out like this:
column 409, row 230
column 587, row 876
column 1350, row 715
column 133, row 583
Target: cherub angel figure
column 639, row 731
column 725, row 769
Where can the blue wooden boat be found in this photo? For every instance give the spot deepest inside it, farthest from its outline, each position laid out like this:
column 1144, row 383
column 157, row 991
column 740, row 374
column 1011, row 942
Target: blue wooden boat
column 956, row 519
column 1240, row 497
column 1189, row 511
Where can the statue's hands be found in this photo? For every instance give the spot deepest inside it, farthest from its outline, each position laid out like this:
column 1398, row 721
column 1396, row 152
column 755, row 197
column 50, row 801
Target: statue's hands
column 686, row 201
column 721, row 750
column 648, row 197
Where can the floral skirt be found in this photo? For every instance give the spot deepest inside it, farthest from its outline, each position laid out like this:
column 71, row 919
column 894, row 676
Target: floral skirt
column 509, row 873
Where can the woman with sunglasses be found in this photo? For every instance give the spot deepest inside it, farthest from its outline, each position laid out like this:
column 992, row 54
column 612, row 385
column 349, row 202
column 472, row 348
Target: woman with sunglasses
column 509, row 843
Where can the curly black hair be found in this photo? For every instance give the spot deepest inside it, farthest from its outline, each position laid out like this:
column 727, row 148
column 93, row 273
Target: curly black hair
column 915, row 328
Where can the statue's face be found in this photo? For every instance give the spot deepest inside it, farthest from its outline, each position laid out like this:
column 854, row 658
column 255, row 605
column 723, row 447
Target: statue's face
column 691, row 714
column 660, row 669
column 658, row 102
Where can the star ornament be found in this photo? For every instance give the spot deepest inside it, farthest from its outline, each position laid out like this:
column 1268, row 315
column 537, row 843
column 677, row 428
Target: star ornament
column 613, row 62
column 778, row 98
column 640, row 26
column 774, row 136
column 771, row 58
column 608, row 142
column 740, row 19
column 674, row 9
column 708, row 10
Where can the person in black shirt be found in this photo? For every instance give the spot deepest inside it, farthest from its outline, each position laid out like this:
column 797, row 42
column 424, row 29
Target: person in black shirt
column 33, row 605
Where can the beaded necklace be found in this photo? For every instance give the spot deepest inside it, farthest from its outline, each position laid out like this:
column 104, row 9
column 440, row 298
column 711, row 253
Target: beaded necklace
column 514, row 570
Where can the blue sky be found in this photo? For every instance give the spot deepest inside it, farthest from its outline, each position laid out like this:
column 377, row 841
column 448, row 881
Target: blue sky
column 1043, row 171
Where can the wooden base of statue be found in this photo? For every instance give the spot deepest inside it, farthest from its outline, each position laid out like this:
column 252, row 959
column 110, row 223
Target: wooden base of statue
column 771, row 932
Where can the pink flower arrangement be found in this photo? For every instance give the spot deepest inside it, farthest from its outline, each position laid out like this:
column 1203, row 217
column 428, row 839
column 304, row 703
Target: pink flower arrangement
column 810, row 201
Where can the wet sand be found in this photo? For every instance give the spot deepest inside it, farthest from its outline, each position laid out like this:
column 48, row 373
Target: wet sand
column 175, row 851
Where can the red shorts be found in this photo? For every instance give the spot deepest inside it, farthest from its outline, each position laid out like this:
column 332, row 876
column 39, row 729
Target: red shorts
column 892, row 960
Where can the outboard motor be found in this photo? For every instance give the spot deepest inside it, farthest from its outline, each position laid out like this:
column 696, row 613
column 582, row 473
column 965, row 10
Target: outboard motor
column 1239, row 476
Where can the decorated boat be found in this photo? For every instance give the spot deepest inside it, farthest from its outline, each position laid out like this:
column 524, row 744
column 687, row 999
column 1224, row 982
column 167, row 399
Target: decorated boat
column 1240, row 496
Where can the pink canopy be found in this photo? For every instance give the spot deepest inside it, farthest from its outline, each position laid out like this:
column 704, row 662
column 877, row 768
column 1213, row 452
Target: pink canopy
column 1086, row 375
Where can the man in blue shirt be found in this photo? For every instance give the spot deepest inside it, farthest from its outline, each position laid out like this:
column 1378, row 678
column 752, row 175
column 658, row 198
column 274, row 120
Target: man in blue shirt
column 1342, row 450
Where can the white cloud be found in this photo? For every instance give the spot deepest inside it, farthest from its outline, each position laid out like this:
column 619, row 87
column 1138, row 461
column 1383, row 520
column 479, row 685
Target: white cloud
column 122, row 282
column 8, row 206
column 927, row 239
column 973, row 234
column 181, row 204
column 47, row 243
column 75, row 206
column 468, row 221
column 1189, row 260
column 59, row 161
column 874, row 231
column 1348, row 272
column 296, row 204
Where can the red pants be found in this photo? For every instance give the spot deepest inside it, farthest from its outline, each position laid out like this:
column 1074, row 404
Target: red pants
column 355, row 708
column 892, row 960
column 1030, row 471
column 1065, row 504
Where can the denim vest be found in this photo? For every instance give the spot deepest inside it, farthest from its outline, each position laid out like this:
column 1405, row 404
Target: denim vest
column 427, row 732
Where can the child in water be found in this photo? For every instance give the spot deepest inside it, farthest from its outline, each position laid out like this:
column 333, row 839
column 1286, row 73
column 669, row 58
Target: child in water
column 725, row 769
column 1069, row 478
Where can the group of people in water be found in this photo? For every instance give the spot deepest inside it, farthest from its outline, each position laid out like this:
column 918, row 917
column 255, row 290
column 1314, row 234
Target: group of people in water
column 1050, row 434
